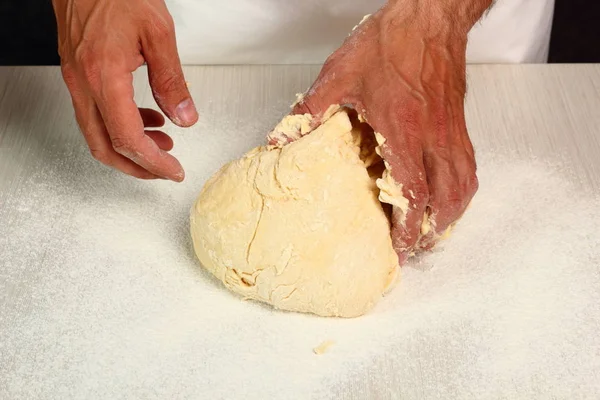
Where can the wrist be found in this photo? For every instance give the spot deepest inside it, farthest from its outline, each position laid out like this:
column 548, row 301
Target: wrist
column 440, row 17
column 59, row 4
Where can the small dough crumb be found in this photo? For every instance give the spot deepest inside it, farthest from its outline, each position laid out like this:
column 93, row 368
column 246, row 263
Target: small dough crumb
column 323, row 347
column 425, row 225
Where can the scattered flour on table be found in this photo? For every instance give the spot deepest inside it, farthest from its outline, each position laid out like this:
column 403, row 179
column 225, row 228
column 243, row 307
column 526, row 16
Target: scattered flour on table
column 101, row 297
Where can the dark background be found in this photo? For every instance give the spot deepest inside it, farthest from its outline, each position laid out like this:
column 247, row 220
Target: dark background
column 28, row 32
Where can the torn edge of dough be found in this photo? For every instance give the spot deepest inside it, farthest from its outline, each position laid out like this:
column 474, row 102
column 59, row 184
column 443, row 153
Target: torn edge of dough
column 366, row 17
column 390, row 191
column 291, row 128
column 323, row 347
column 380, row 142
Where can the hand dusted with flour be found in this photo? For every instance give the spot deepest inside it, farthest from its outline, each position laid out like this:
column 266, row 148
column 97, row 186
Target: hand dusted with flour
column 300, row 226
column 403, row 70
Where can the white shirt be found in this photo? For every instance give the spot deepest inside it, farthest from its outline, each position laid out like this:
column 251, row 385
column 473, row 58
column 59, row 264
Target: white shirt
column 307, row 31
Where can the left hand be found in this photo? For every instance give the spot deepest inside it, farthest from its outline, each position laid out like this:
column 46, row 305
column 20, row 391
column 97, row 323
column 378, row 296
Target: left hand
column 101, row 42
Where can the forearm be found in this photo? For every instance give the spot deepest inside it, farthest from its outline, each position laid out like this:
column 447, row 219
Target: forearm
column 458, row 15
column 61, row 6
column 465, row 12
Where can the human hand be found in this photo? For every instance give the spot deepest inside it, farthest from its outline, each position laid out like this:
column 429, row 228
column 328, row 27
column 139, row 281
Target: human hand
column 403, row 71
column 101, row 42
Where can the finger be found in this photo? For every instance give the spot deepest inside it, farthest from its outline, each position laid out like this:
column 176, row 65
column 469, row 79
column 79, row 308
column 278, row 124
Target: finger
column 319, row 101
column 331, row 88
column 95, row 134
column 445, row 195
column 407, row 222
column 166, row 76
column 450, row 166
column 449, row 199
column 161, row 139
column 406, row 183
column 126, row 129
column 405, row 172
column 152, row 118
column 450, row 195
column 465, row 162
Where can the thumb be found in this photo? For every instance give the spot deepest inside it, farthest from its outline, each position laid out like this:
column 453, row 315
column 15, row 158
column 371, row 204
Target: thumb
column 322, row 95
column 168, row 84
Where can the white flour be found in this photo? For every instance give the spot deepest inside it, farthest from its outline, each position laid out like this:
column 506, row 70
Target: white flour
column 101, row 297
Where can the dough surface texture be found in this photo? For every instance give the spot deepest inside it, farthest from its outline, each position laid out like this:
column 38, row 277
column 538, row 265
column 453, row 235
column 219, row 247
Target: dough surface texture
column 299, row 227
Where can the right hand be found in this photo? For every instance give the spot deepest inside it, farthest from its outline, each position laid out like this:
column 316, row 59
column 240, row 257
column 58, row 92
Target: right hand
column 101, row 42
column 404, row 72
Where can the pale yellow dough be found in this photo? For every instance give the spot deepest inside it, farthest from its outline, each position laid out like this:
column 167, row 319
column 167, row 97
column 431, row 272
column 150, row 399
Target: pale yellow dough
column 299, row 226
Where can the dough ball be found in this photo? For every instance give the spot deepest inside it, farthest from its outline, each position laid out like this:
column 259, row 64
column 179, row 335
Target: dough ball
column 299, row 226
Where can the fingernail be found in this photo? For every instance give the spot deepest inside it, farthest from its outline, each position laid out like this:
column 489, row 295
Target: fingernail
column 179, row 176
column 186, row 112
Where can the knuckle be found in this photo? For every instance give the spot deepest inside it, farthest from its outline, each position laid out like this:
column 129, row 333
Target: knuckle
column 88, row 63
column 67, row 70
column 469, row 182
column 69, row 75
column 122, row 146
column 329, row 62
column 169, row 81
column 100, row 155
column 411, row 121
column 447, row 202
column 441, row 122
column 473, row 184
column 448, row 199
column 334, row 65
column 332, row 59
column 162, row 28
column 454, row 208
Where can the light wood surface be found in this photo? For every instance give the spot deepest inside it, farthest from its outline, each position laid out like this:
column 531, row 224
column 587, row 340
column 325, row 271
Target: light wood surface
column 534, row 111
column 101, row 297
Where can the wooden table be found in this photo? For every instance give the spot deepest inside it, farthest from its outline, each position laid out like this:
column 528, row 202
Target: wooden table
column 101, row 297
